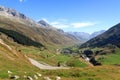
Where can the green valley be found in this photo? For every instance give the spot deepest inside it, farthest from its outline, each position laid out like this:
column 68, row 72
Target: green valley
column 31, row 50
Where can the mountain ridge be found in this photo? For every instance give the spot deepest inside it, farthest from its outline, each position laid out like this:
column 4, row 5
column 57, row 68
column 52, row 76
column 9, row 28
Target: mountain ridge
column 110, row 37
column 86, row 36
column 10, row 19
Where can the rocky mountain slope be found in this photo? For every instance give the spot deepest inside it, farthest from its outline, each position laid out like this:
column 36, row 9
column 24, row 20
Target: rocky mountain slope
column 11, row 20
column 110, row 37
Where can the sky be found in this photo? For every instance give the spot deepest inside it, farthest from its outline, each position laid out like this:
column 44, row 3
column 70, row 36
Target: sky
column 70, row 15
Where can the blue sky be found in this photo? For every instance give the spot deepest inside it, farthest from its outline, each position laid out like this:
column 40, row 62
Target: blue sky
column 70, row 15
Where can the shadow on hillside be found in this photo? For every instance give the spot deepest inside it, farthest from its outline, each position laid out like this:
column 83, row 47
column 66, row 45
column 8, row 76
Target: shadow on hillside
column 20, row 38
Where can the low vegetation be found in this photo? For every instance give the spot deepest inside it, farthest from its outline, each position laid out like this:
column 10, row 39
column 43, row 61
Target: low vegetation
column 75, row 62
column 111, row 59
column 81, row 71
column 19, row 38
column 51, row 58
column 19, row 42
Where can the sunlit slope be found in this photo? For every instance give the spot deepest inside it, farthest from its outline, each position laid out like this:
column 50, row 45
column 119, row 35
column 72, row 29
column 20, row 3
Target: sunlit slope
column 38, row 34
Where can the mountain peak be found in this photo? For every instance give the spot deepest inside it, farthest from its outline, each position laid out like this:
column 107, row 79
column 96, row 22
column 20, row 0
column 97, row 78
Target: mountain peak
column 44, row 23
column 2, row 8
column 11, row 12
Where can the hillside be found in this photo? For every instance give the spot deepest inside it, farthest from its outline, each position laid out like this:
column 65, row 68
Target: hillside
column 12, row 60
column 15, row 61
column 110, row 37
column 17, row 22
column 24, row 42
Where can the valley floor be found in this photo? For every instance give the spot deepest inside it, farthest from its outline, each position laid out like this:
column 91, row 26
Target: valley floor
column 21, row 67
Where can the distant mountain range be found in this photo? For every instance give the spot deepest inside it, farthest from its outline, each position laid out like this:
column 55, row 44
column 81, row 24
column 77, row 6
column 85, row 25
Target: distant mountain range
column 96, row 33
column 82, row 36
column 110, row 37
column 85, row 36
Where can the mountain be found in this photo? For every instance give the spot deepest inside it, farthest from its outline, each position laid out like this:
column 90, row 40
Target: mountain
column 22, row 38
column 44, row 24
column 110, row 37
column 39, row 34
column 13, row 14
column 80, row 35
column 48, row 26
column 85, row 36
column 96, row 33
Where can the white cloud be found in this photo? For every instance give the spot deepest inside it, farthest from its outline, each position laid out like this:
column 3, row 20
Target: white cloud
column 64, row 24
column 82, row 24
column 59, row 24
column 21, row 0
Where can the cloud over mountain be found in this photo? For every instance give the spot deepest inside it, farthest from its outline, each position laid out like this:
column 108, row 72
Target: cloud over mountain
column 67, row 25
column 59, row 24
column 82, row 24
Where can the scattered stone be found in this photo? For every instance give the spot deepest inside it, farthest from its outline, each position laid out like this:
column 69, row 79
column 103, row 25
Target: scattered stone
column 47, row 78
column 29, row 78
column 38, row 74
column 58, row 78
column 35, row 76
column 25, row 76
column 9, row 72
column 14, row 77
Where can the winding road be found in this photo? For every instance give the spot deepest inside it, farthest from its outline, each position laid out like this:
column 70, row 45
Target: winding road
column 42, row 66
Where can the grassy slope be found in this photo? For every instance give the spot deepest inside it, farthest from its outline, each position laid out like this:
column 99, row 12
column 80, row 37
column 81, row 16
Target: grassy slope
column 16, row 63
column 18, row 67
column 51, row 58
column 111, row 58
column 88, row 73
column 91, row 73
